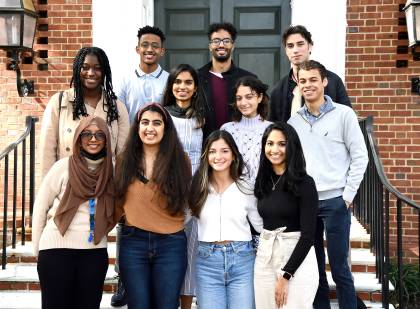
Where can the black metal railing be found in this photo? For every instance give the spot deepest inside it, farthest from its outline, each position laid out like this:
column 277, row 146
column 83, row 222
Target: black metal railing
column 372, row 208
column 4, row 161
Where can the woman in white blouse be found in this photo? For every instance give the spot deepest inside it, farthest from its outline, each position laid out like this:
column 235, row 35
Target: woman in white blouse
column 222, row 200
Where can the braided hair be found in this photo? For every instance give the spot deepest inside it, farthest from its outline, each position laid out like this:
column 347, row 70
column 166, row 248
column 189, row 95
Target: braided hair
column 110, row 102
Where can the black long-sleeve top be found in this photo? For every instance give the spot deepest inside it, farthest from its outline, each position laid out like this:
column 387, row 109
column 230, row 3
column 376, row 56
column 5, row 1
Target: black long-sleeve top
column 297, row 213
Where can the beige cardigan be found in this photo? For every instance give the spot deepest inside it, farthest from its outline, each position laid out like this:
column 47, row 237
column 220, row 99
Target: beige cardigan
column 53, row 132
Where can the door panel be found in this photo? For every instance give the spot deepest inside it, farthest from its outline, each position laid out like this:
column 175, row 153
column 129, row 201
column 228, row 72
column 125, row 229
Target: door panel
column 259, row 24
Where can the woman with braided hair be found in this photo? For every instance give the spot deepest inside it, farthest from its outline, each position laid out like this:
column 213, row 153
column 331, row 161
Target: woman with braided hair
column 90, row 93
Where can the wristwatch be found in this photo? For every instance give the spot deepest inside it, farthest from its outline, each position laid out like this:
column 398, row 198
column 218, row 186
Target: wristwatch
column 287, row 275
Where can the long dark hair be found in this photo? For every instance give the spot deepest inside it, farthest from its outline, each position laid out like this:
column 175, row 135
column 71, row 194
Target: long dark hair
column 202, row 178
column 110, row 102
column 197, row 107
column 259, row 88
column 171, row 170
column 295, row 163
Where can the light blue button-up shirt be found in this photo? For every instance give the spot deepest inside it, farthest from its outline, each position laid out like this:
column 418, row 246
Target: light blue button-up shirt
column 323, row 109
column 140, row 88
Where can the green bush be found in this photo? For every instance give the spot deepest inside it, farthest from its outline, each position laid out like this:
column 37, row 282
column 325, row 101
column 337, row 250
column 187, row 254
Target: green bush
column 410, row 285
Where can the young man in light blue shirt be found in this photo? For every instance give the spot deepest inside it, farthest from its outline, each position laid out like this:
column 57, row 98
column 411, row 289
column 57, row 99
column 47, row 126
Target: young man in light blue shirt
column 146, row 83
column 336, row 157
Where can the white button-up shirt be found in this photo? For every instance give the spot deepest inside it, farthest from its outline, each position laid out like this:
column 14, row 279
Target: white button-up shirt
column 224, row 216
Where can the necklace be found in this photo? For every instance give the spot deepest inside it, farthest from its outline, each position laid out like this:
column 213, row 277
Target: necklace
column 275, row 184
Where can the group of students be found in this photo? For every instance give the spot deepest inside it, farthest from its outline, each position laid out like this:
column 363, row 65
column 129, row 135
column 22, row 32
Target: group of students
column 189, row 191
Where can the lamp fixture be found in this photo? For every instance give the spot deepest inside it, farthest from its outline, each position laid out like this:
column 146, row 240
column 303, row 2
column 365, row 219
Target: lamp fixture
column 18, row 20
column 412, row 15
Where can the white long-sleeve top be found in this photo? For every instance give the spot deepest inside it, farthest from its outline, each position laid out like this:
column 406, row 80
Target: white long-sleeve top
column 224, row 215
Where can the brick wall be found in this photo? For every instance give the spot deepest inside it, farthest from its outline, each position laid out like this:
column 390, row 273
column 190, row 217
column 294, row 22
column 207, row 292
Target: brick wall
column 378, row 79
column 64, row 26
column 377, row 86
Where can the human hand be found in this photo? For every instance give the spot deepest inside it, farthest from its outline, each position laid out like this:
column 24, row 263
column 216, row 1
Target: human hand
column 281, row 292
column 348, row 204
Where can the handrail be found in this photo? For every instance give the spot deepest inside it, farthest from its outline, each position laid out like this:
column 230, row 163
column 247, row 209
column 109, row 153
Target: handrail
column 380, row 169
column 4, row 156
column 372, row 209
column 13, row 145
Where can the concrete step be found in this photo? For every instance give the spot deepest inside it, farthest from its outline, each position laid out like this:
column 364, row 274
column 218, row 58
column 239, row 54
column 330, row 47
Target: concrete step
column 32, row 300
column 23, row 254
column 362, row 259
column 24, row 276
column 369, row 304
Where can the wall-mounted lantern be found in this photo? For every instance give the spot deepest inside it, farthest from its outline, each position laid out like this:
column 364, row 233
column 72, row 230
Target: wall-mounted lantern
column 17, row 31
column 412, row 15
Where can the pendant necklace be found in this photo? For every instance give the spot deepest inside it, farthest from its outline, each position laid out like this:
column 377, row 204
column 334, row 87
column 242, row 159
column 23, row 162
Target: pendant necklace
column 275, row 184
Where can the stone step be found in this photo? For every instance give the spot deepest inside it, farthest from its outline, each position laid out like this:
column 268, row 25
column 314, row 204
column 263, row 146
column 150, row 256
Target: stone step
column 362, row 259
column 24, row 254
column 32, row 300
column 24, row 276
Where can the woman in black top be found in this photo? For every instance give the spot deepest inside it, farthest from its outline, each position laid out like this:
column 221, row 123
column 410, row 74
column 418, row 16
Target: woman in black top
column 285, row 270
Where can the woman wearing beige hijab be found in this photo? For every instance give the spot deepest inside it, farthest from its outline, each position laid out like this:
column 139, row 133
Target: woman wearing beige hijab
column 73, row 213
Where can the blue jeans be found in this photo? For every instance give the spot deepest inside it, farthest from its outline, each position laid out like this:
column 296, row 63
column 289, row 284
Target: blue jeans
column 225, row 275
column 334, row 217
column 152, row 267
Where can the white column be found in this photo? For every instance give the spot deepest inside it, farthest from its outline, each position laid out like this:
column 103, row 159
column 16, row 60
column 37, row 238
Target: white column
column 326, row 20
column 115, row 25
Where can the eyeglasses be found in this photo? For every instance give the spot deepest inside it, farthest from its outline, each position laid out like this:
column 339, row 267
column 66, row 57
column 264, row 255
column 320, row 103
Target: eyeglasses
column 226, row 41
column 87, row 135
column 247, row 97
column 146, row 45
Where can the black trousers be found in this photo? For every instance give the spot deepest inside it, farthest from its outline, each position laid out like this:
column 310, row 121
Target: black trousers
column 72, row 278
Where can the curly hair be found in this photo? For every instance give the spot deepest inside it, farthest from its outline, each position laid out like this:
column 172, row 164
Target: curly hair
column 151, row 30
column 259, row 88
column 110, row 102
column 222, row 26
column 313, row 65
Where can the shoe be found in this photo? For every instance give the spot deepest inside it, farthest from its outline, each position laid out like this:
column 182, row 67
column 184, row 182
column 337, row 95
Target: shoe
column 119, row 299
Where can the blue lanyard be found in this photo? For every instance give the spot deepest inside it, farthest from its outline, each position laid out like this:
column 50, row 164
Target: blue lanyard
column 91, row 219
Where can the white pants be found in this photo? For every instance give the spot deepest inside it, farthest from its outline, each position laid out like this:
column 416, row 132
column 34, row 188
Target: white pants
column 274, row 250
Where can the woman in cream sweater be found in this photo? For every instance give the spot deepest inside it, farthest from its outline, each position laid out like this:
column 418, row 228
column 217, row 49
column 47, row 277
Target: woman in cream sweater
column 91, row 93
column 73, row 212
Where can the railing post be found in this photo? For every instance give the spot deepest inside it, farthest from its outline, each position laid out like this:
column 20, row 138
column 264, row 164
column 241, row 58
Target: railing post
column 32, row 168
column 399, row 255
column 15, row 155
column 23, row 190
column 5, row 196
column 385, row 270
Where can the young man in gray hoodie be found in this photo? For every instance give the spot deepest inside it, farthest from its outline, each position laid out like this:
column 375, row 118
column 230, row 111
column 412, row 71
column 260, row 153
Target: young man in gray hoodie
column 336, row 157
